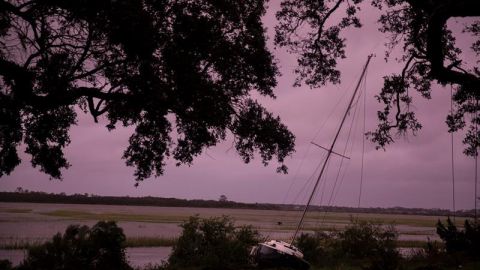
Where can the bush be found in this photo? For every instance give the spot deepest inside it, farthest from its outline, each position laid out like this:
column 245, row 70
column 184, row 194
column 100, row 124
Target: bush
column 5, row 265
column 212, row 243
column 465, row 241
column 318, row 248
column 362, row 244
column 370, row 244
column 82, row 248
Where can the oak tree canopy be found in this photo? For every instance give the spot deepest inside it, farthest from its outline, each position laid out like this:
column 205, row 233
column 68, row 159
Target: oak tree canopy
column 312, row 30
column 180, row 72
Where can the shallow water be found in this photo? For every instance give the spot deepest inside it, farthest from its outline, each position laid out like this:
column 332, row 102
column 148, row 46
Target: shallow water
column 35, row 222
column 15, row 256
column 142, row 256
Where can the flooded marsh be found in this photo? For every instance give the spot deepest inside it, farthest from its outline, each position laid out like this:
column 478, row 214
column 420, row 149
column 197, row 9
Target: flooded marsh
column 153, row 230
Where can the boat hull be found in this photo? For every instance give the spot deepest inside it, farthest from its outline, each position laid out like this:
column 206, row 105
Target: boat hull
column 267, row 256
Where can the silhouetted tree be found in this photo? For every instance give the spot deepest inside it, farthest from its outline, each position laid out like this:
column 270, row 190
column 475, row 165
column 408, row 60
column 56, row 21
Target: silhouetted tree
column 457, row 240
column 213, row 243
column 223, row 198
column 180, row 72
column 312, row 30
column 80, row 247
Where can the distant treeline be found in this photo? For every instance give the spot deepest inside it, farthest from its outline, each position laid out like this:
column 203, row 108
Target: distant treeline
column 43, row 197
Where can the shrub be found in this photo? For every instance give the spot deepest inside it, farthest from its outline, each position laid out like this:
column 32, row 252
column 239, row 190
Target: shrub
column 363, row 244
column 318, row 248
column 212, row 243
column 371, row 244
column 5, row 265
column 80, row 247
column 465, row 241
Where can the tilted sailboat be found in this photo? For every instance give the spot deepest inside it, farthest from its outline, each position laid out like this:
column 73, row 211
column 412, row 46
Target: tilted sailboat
column 276, row 253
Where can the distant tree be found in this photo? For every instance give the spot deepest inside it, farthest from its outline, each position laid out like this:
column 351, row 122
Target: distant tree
column 223, row 198
column 313, row 31
column 180, row 72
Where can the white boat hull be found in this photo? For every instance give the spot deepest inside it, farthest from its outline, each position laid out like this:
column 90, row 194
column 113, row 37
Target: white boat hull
column 279, row 254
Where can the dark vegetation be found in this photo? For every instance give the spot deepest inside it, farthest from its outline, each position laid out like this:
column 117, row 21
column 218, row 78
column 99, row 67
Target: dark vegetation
column 188, row 68
column 215, row 243
column 180, row 73
column 362, row 244
column 42, row 197
column 80, row 248
column 427, row 54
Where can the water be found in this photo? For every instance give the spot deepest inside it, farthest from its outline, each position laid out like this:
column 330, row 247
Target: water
column 137, row 257
column 15, row 256
column 142, row 256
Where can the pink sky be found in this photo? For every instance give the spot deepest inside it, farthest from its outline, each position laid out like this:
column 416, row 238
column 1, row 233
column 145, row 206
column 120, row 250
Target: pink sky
column 414, row 172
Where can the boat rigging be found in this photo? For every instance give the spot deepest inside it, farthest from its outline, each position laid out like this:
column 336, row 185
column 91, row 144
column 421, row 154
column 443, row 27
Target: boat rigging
column 276, row 253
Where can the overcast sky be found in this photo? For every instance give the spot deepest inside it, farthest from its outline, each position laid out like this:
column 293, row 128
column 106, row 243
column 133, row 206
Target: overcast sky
column 413, row 172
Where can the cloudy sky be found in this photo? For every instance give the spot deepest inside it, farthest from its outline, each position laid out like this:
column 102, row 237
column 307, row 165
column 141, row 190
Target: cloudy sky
column 414, row 172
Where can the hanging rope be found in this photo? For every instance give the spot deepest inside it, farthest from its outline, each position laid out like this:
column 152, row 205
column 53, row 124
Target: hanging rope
column 453, row 163
column 476, row 156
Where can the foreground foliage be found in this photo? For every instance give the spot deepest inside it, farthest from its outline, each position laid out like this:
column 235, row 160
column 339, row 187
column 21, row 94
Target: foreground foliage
column 81, row 248
column 362, row 244
column 420, row 39
column 465, row 242
column 180, row 73
column 213, row 243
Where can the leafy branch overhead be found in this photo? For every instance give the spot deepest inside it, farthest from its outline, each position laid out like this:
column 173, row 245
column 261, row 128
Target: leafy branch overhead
column 312, row 30
column 164, row 67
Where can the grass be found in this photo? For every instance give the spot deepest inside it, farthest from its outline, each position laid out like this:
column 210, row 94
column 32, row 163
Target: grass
column 412, row 243
column 83, row 215
column 20, row 243
column 150, row 242
column 16, row 210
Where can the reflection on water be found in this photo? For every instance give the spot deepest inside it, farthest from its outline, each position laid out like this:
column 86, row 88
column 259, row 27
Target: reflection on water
column 15, row 256
column 142, row 256
column 137, row 257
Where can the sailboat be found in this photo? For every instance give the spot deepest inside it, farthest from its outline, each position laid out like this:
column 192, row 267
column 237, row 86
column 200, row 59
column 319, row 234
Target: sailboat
column 275, row 253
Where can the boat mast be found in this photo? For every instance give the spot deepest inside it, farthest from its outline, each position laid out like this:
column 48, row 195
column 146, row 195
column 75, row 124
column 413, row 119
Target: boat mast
column 330, row 150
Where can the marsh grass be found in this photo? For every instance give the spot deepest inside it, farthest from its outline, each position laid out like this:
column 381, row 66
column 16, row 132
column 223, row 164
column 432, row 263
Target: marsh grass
column 413, row 244
column 150, row 242
column 16, row 210
column 84, row 215
column 27, row 243
column 21, row 243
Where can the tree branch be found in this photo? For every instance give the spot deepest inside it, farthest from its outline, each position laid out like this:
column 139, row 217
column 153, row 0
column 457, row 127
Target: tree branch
column 435, row 53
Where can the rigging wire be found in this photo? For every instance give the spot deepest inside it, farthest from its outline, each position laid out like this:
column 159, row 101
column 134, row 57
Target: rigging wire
column 476, row 156
column 330, row 151
column 330, row 200
column 363, row 139
column 317, row 132
column 353, row 124
column 453, row 162
column 338, row 184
